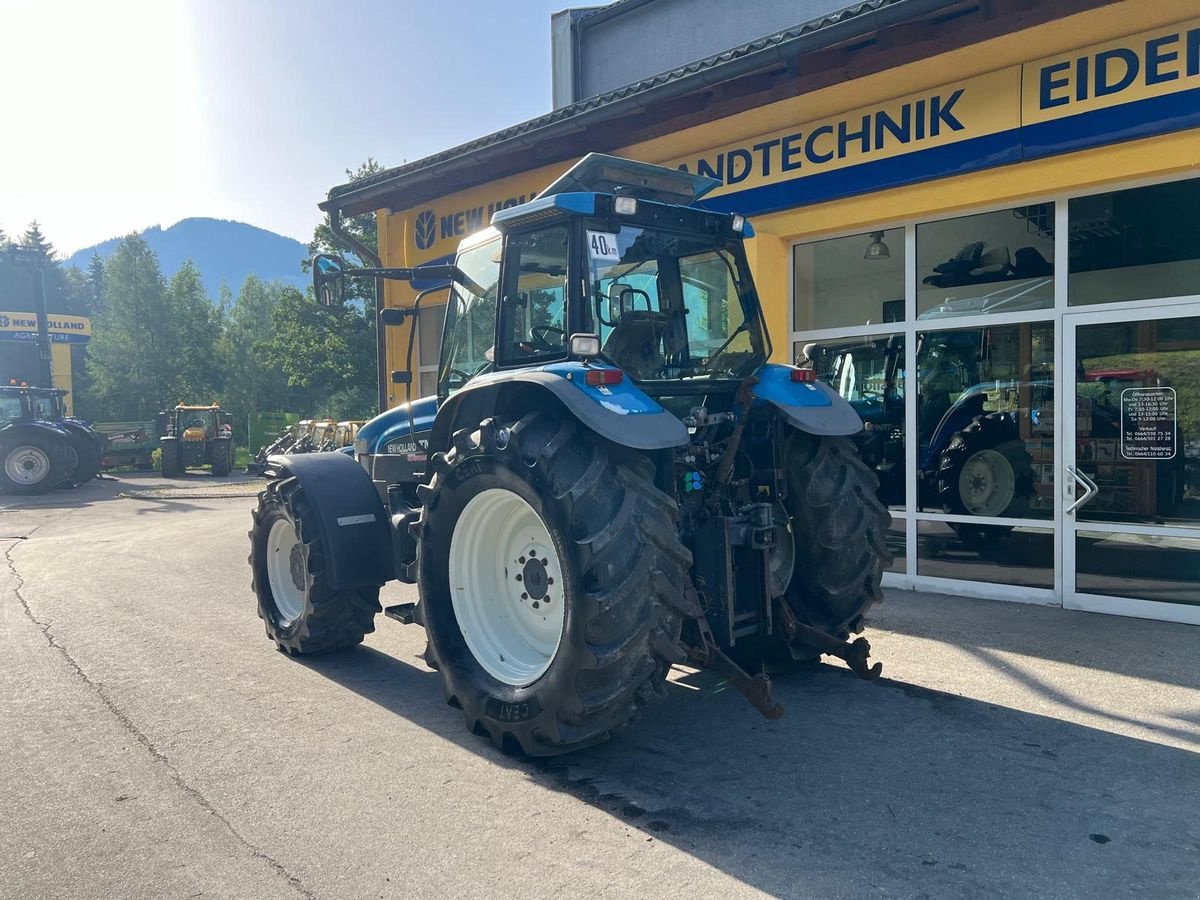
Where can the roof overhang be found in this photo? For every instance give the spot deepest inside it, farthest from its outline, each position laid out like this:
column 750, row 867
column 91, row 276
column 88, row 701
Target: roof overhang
column 869, row 37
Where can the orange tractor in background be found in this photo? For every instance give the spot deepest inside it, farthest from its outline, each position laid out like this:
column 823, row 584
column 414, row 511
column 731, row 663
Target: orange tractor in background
column 196, row 436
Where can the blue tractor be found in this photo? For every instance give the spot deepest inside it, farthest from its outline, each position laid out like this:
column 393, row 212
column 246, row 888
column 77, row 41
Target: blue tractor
column 610, row 480
column 971, row 458
column 41, row 447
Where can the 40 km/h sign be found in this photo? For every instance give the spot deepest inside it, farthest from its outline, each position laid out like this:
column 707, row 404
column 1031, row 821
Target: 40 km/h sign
column 1148, row 423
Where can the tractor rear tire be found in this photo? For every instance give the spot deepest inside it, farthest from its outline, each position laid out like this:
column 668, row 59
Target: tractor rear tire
column 222, row 457
column 839, row 532
column 32, row 463
column 172, row 462
column 87, row 449
column 554, row 606
column 302, row 612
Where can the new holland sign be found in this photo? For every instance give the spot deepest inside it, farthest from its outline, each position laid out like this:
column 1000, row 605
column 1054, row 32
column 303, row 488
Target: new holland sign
column 23, row 326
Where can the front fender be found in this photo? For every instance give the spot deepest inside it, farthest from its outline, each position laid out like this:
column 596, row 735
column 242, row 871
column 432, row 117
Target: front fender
column 355, row 532
column 811, row 406
column 621, row 413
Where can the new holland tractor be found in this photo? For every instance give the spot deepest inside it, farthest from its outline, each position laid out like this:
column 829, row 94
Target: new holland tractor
column 196, row 436
column 612, row 479
column 41, row 447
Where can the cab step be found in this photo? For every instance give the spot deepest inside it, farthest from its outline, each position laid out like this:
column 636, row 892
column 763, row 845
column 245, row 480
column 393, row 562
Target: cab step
column 404, row 613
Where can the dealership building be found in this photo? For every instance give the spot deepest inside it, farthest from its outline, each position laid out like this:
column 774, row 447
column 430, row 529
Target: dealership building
column 977, row 220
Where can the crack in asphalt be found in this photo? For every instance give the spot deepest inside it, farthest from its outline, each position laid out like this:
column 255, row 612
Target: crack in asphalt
column 138, row 734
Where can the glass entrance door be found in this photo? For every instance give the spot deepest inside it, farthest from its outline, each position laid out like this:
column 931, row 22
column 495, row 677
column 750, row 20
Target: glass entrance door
column 1130, row 423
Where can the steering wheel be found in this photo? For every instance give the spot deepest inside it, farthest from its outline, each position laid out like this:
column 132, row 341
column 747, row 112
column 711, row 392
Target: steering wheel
column 458, row 375
column 541, row 333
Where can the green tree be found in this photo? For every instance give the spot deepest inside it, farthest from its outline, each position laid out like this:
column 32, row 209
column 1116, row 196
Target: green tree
column 33, row 237
column 320, row 353
column 249, row 332
column 130, row 361
column 194, row 330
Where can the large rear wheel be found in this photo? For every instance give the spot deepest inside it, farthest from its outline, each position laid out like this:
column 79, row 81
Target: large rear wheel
column 32, row 463
column 222, row 456
column 838, row 534
column 172, row 460
column 550, row 573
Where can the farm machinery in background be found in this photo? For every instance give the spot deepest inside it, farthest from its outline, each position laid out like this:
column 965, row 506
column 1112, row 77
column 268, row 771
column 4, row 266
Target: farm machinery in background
column 41, row 447
column 307, row 436
column 611, row 479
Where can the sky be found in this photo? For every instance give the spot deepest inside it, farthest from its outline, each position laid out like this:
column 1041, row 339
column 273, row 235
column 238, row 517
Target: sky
column 121, row 114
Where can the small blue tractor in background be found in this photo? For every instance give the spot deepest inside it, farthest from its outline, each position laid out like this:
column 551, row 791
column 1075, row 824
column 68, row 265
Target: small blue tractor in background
column 611, row 479
column 41, row 447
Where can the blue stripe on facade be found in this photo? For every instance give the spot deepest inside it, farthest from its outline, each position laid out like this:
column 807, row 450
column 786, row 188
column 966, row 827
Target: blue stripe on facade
column 1125, row 122
column 937, row 162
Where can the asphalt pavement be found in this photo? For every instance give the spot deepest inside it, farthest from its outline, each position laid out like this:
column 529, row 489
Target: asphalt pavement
column 156, row 745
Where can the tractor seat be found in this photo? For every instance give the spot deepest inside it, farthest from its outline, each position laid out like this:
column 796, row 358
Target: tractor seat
column 636, row 342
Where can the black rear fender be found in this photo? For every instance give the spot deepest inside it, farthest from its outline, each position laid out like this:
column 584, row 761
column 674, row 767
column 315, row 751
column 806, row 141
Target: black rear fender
column 355, row 532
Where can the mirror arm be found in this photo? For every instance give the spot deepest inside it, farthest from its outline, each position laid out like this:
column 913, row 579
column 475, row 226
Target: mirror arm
column 448, row 272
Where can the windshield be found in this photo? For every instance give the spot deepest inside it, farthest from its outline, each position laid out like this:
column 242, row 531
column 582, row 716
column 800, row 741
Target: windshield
column 470, row 328
column 671, row 305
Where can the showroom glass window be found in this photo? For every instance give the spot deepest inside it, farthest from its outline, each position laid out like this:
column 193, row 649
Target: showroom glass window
column 991, row 263
column 1137, row 244
column 849, row 281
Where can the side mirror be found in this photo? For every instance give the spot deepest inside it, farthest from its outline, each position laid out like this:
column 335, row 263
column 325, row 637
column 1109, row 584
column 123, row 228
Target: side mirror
column 401, row 377
column 328, row 284
column 391, row 315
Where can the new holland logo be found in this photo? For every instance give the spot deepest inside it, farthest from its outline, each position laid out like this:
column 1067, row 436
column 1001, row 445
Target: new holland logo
column 425, row 230
column 3, row 320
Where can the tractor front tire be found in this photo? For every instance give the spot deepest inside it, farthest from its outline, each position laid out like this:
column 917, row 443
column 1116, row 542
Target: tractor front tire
column 32, row 463
column 551, row 575
column 302, row 612
column 172, row 460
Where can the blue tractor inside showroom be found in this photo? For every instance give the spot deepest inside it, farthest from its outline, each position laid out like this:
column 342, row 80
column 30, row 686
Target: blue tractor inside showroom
column 611, row 479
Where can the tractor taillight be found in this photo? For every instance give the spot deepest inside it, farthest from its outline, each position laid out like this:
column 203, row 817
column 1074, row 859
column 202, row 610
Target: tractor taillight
column 597, row 377
column 804, row 375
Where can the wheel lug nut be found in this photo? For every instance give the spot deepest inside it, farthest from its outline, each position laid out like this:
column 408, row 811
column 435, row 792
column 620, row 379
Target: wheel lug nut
column 521, row 560
column 518, row 576
column 549, row 581
column 535, row 604
column 524, row 596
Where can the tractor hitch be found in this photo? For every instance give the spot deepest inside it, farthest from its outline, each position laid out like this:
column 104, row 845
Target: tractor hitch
column 755, row 688
column 854, row 653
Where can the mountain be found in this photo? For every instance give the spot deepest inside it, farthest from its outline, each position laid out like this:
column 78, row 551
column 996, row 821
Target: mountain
column 222, row 251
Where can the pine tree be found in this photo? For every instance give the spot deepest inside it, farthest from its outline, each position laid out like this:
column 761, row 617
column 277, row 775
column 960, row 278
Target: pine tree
column 33, row 237
column 130, row 355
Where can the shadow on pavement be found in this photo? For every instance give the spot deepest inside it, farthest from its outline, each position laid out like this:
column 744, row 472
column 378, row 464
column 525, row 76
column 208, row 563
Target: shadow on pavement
column 1140, row 648
column 862, row 789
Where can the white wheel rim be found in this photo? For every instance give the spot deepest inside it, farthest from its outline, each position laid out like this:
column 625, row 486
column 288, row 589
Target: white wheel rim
column 506, row 587
column 987, row 484
column 285, row 570
column 27, row 465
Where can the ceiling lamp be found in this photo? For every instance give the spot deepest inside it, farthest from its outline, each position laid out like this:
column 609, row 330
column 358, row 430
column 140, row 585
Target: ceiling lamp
column 877, row 249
